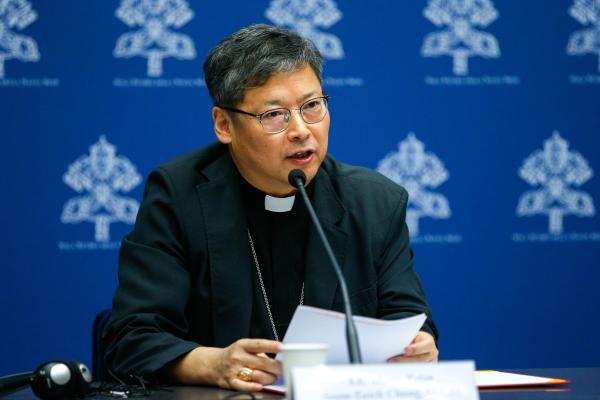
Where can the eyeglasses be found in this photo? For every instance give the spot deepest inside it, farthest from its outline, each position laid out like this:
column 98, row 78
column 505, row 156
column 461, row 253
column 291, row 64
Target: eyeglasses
column 278, row 119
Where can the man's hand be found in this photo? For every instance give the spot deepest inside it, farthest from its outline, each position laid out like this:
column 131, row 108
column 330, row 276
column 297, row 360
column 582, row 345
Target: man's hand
column 220, row 367
column 421, row 349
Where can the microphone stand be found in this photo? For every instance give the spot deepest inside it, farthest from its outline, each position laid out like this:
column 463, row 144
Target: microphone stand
column 298, row 178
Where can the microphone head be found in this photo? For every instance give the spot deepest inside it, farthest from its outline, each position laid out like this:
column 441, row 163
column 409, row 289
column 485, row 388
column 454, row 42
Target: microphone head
column 296, row 175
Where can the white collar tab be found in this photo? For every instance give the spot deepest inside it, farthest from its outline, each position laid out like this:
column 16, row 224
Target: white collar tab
column 279, row 204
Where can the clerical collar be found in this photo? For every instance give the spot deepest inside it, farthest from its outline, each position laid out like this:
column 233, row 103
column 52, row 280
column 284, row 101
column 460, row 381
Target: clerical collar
column 258, row 200
column 279, row 204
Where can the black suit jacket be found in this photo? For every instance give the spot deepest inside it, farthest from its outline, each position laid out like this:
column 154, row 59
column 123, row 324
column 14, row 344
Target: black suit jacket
column 186, row 272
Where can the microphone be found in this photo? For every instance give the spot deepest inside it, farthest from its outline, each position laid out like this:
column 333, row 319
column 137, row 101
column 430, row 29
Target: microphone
column 52, row 380
column 297, row 179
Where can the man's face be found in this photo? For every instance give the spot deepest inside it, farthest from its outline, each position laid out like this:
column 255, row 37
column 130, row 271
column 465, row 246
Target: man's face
column 263, row 159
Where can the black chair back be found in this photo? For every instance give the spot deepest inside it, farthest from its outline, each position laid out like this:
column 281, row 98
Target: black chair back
column 99, row 372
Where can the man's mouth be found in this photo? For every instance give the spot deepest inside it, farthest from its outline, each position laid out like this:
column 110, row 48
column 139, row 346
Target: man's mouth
column 301, row 158
column 301, row 155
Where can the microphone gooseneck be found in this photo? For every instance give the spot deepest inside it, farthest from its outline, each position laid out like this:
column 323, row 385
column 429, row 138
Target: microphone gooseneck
column 297, row 179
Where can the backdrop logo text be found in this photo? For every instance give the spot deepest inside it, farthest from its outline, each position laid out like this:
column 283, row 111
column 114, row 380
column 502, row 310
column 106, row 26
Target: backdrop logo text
column 418, row 172
column 461, row 39
column 586, row 41
column 99, row 177
column 555, row 172
column 17, row 15
column 308, row 17
column 155, row 40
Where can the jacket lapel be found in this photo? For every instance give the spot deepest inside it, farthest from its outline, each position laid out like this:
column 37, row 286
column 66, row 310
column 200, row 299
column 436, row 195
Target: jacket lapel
column 320, row 280
column 228, row 252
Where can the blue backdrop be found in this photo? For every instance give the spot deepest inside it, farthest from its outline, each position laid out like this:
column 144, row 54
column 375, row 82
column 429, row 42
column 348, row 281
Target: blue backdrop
column 486, row 111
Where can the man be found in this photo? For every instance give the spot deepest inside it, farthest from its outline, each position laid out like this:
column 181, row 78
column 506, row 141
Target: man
column 222, row 252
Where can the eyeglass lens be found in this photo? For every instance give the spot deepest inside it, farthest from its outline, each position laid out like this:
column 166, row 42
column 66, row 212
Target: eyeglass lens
column 277, row 120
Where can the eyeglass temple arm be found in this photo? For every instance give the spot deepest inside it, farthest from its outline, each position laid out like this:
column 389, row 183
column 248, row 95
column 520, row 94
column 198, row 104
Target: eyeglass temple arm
column 238, row 111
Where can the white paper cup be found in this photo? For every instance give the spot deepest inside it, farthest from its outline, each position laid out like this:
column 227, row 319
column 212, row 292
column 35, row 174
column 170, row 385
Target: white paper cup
column 301, row 355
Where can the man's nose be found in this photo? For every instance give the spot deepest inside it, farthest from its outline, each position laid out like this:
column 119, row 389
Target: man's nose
column 298, row 129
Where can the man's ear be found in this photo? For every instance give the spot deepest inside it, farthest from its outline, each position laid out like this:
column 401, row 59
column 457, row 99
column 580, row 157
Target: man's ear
column 223, row 125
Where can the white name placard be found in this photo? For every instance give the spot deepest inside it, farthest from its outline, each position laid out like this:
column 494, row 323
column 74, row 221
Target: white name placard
column 415, row 381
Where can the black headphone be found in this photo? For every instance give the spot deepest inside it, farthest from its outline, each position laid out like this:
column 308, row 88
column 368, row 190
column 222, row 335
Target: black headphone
column 61, row 379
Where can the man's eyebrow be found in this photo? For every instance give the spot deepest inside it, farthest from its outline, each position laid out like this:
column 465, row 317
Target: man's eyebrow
column 308, row 96
column 273, row 103
column 277, row 102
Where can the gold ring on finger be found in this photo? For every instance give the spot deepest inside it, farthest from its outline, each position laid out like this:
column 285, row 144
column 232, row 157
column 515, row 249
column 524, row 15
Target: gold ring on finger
column 245, row 374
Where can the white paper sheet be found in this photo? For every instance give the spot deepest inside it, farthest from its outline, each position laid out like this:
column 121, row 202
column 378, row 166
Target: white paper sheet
column 378, row 339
